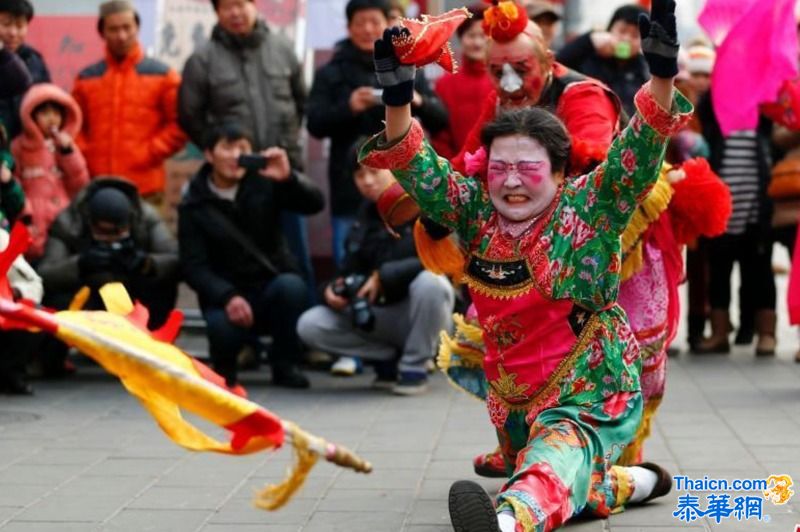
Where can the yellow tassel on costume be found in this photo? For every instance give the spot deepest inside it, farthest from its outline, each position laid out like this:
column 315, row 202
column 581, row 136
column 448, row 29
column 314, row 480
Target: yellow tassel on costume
column 274, row 496
column 648, row 212
column 439, row 256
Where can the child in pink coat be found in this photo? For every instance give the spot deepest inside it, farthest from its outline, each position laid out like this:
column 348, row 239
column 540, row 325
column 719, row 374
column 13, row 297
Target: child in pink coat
column 50, row 166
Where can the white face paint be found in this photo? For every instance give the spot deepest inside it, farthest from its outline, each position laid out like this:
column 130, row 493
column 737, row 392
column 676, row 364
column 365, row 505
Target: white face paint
column 510, row 81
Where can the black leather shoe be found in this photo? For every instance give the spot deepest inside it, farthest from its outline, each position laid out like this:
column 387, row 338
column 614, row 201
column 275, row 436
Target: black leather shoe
column 471, row 508
column 16, row 385
column 290, row 377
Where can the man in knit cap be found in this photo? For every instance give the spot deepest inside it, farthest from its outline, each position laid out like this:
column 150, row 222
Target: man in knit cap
column 129, row 104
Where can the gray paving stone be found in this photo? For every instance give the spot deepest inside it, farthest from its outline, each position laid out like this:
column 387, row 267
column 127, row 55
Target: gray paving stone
column 349, row 522
column 72, row 507
column 22, row 495
column 429, row 513
column 47, row 475
column 60, row 526
column 372, row 500
column 241, row 511
column 252, row 528
column 156, row 521
column 180, row 498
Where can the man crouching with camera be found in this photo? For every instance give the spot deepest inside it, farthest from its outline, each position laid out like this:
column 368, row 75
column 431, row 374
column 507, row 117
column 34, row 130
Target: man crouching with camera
column 234, row 255
column 383, row 307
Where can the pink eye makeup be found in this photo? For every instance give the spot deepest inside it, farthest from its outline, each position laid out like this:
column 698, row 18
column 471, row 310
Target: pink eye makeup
column 531, row 170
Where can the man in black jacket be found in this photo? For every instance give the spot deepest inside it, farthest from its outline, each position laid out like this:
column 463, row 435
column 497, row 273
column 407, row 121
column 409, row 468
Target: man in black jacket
column 107, row 234
column 233, row 253
column 345, row 104
column 15, row 15
column 383, row 306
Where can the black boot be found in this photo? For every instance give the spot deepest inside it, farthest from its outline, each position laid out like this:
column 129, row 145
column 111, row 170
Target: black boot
column 226, row 369
column 289, row 377
column 471, row 508
column 15, row 384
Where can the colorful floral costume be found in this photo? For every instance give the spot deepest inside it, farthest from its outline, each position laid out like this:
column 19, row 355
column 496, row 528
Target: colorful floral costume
column 561, row 361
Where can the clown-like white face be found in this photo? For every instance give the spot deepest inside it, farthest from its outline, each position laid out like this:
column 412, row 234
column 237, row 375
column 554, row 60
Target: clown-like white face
column 519, row 70
column 520, row 178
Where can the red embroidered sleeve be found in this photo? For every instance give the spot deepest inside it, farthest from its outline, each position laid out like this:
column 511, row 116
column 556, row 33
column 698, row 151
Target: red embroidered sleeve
column 666, row 123
column 394, row 155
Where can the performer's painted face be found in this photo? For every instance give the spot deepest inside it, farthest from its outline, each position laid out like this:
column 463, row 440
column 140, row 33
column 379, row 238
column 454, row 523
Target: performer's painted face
column 521, row 181
column 519, row 70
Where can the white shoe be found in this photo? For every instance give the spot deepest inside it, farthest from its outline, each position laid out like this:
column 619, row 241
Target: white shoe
column 346, row 367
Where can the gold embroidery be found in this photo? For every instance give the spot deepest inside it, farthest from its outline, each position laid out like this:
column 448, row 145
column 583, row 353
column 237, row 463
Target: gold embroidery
column 499, row 273
column 557, row 376
column 507, row 387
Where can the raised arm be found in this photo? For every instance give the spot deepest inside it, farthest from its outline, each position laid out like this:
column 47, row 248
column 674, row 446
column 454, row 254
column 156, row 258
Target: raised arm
column 443, row 195
column 608, row 196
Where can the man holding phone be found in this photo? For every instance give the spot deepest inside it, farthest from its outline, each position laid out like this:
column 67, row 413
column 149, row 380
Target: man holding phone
column 234, row 255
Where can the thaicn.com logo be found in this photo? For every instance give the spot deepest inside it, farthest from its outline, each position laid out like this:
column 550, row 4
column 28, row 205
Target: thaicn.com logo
column 739, row 499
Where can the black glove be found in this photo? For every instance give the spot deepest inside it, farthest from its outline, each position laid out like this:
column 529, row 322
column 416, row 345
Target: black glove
column 660, row 39
column 131, row 259
column 97, row 258
column 396, row 79
column 96, row 266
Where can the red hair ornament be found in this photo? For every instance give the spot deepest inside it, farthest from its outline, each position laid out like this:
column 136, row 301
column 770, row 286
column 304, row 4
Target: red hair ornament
column 504, row 20
column 428, row 42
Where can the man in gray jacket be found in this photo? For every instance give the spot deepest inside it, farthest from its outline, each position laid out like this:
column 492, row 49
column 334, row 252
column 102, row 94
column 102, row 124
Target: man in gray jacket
column 248, row 74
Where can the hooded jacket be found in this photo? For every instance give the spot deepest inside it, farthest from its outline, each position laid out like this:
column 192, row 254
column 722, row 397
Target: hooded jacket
column 329, row 115
column 70, row 235
column 130, row 116
column 50, row 177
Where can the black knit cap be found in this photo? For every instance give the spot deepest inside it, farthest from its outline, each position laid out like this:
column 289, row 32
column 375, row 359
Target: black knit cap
column 359, row 5
column 110, row 205
column 629, row 14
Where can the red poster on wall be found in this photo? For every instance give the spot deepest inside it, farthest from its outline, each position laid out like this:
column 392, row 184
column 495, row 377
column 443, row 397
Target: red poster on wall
column 68, row 43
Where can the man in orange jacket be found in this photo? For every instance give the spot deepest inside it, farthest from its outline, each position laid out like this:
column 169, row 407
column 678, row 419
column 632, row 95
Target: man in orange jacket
column 129, row 104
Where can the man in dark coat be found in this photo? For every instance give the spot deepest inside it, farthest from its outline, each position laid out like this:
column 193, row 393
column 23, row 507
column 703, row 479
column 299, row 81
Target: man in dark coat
column 614, row 56
column 345, row 104
column 234, row 255
column 107, row 234
column 15, row 15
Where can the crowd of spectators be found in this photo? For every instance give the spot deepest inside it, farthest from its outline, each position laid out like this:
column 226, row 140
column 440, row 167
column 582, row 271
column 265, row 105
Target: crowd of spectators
column 85, row 171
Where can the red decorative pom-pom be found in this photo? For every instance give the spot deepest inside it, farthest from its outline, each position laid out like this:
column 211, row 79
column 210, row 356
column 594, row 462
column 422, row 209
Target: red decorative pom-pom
column 504, row 20
column 701, row 204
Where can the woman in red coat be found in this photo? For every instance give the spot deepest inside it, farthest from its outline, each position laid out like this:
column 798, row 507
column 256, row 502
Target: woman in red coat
column 464, row 92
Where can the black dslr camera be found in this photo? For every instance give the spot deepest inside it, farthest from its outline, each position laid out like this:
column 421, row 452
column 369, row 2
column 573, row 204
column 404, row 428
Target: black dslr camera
column 359, row 307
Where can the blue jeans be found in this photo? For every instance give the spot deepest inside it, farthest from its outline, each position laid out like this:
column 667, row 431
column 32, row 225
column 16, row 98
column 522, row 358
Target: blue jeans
column 294, row 230
column 341, row 226
column 276, row 307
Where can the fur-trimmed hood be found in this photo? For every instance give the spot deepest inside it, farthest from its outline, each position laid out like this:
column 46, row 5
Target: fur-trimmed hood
column 32, row 138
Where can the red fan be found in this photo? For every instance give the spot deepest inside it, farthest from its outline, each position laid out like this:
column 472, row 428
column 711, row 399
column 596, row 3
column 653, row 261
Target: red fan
column 429, row 38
